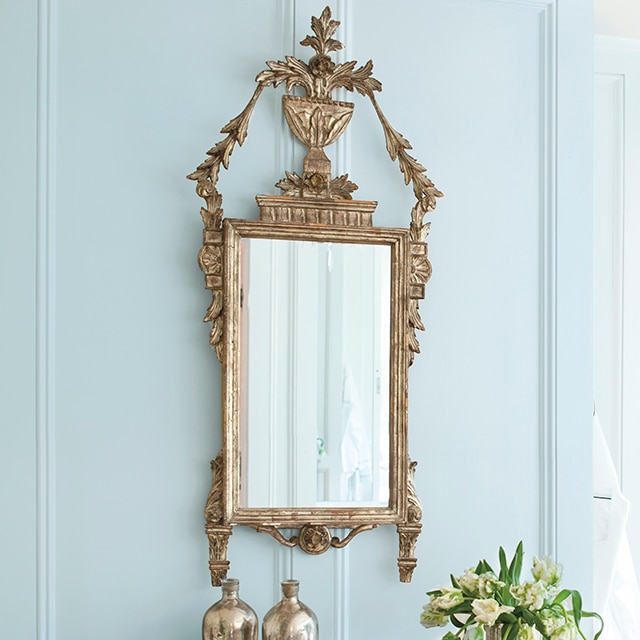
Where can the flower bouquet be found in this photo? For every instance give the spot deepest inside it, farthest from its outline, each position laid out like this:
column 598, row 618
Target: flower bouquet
column 481, row 604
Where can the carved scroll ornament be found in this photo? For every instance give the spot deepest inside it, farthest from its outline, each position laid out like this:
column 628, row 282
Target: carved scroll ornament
column 316, row 127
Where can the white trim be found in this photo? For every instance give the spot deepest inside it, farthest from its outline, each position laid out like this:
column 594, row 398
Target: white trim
column 285, row 160
column 540, row 5
column 341, row 574
column 547, row 11
column 341, row 599
column 343, row 13
column 548, row 282
column 548, row 277
column 45, row 329
column 292, row 383
column 611, row 44
column 282, row 567
column 285, row 146
column 273, row 376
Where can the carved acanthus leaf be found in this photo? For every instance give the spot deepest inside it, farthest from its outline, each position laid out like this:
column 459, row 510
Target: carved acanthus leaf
column 213, row 508
column 415, row 322
column 293, row 72
column 207, row 172
column 215, row 308
column 291, row 185
column 323, row 27
column 359, row 80
column 322, row 75
column 342, row 187
column 414, row 514
column 215, row 336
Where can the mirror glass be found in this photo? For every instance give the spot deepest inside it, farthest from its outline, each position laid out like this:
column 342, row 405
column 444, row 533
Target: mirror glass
column 314, row 373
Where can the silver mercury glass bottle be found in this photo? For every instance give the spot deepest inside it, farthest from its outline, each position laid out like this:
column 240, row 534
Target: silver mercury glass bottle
column 290, row 619
column 230, row 618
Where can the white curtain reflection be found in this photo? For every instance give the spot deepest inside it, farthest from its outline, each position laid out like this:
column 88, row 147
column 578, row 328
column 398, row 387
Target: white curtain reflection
column 356, row 483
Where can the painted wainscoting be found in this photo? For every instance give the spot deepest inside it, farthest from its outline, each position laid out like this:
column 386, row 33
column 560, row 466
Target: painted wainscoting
column 110, row 410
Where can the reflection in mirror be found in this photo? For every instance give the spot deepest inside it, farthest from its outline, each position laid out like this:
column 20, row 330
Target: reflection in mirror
column 314, row 390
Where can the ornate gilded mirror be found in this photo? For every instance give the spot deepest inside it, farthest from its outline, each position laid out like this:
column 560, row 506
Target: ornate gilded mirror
column 314, row 313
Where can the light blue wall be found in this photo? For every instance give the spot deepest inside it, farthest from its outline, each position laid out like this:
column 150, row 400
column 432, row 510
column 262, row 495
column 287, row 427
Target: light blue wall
column 110, row 394
column 17, row 318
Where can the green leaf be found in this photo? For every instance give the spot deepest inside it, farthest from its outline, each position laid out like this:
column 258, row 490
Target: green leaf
column 515, row 569
column 576, row 601
column 454, row 582
column 561, row 597
column 484, row 567
column 456, row 623
column 504, row 571
column 506, row 597
column 507, row 617
column 593, row 614
column 510, row 632
column 449, row 636
column 463, row 607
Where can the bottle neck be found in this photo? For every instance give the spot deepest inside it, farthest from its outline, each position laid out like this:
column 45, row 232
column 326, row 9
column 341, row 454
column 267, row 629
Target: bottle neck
column 230, row 589
column 290, row 590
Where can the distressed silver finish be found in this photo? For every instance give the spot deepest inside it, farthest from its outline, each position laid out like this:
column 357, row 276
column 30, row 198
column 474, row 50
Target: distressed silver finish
column 494, row 632
column 290, row 619
column 230, row 618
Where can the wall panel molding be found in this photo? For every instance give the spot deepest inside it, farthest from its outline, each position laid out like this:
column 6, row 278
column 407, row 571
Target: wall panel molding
column 45, row 313
column 548, row 282
column 343, row 13
column 341, row 591
column 283, row 562
column 548, row 277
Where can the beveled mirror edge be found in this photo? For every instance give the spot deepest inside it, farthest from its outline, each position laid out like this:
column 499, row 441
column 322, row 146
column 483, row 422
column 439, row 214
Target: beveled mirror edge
column 398, row 241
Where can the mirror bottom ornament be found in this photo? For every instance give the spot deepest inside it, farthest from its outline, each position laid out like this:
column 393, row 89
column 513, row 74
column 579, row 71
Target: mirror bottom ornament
column 313, row 539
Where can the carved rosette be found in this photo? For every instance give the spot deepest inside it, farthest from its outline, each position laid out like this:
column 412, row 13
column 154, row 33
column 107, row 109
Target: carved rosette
column 314, row 539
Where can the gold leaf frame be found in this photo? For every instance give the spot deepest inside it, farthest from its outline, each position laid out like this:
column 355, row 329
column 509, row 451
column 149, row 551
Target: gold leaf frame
column 318, row 206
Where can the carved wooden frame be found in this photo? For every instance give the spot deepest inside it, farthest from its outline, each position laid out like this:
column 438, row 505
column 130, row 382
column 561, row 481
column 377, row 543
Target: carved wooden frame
column 318, row 206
